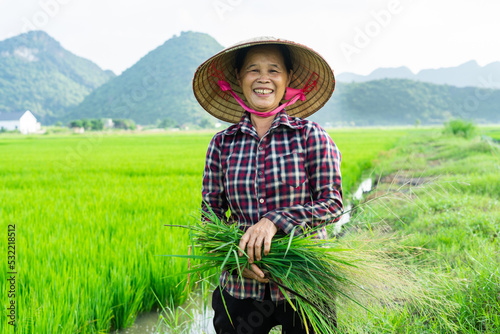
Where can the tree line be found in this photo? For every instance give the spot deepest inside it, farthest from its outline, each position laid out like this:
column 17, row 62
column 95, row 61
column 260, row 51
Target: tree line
column 98, row 124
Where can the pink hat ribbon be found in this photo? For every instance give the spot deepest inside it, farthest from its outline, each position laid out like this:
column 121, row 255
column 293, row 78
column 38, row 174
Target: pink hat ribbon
column 292, row 95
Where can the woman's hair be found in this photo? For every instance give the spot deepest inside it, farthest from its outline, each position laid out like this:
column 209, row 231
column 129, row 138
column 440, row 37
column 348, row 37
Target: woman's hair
column 242, row 53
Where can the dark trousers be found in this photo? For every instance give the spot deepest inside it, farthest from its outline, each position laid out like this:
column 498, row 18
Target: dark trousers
column 250, row 316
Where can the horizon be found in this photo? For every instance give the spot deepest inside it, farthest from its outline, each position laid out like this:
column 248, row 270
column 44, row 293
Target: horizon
column 362, row 36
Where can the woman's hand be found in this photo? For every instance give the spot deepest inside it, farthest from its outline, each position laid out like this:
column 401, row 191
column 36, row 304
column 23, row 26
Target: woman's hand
column 254, row 238
column 254, row 273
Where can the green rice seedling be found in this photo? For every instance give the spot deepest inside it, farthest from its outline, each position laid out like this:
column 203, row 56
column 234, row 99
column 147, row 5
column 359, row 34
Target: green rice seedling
column 314, row 275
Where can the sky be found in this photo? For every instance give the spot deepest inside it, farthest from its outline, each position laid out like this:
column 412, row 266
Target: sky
column 355, row 36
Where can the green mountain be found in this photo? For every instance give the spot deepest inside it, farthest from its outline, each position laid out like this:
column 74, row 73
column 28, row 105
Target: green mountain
column 39, row 75
column 406, row 102
column 157, row 87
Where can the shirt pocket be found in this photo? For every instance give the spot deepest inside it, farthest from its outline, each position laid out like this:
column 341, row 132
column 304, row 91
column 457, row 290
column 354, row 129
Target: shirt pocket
column 292, row 169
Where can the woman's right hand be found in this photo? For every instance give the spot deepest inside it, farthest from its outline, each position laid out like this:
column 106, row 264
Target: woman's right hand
column 256, row 241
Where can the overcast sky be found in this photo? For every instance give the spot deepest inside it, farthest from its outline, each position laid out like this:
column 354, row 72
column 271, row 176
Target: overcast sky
column 354, row 36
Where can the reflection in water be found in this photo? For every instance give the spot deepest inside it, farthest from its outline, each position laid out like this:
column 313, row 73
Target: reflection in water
column 364, row 187
column 194, row 317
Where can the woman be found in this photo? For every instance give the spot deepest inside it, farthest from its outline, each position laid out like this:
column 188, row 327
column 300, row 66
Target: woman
column 273, row 169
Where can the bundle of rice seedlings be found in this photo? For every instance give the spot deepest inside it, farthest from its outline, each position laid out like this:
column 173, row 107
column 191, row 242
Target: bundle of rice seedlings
column 313, row 274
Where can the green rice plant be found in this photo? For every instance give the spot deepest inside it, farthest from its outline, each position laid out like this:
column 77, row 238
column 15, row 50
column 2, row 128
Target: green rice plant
column 315, row 275
column 88, row 211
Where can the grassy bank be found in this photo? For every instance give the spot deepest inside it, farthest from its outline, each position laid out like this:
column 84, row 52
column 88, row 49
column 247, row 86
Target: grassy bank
column 359, row 148
column 441, row 202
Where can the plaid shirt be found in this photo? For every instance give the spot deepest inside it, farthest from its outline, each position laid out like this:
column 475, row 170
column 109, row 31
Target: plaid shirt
column 291, row 176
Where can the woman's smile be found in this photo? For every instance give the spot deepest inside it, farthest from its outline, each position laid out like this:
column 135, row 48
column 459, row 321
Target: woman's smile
column 263, row 91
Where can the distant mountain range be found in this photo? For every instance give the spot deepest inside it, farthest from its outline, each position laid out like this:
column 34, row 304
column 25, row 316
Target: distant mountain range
column 469, row 74
column 407, row 102
column 36, row 73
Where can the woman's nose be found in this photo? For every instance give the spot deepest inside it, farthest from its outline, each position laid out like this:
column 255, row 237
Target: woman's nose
column 263, row 78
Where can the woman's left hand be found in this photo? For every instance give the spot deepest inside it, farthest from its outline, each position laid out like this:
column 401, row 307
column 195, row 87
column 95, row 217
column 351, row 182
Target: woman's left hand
column 257, row 235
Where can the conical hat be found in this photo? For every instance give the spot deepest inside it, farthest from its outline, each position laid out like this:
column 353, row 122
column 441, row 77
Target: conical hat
column 308, row 66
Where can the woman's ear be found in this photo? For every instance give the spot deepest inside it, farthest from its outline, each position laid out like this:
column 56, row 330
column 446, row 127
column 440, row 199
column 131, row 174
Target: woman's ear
column 290, row 74
column 237, row 77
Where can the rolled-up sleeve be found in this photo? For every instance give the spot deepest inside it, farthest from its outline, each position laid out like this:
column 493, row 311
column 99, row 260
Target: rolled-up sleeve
column 213, row 193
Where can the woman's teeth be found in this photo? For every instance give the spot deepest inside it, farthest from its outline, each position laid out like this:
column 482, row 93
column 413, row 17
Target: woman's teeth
column 263, row 91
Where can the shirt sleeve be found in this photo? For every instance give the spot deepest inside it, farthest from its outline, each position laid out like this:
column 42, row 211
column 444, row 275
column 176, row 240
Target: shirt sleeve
column 213, row 191
column 323, row 172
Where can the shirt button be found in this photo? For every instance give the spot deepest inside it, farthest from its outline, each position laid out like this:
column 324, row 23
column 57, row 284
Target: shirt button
column 260, row 173
column 261, row 148
column 261, row 201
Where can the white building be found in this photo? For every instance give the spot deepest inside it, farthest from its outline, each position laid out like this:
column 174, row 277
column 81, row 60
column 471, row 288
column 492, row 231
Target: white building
column 108, row 123
column 24, row 121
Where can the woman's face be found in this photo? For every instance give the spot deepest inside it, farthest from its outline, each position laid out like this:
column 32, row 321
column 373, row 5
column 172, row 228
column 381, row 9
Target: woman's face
column 263, row 78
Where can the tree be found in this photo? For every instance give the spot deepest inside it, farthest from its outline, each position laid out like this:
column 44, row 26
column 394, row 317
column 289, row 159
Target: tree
column 96, row 124
column 76, row 124
column 87, row 124
column 168, row 123
column 206, row 124
column 125, row 124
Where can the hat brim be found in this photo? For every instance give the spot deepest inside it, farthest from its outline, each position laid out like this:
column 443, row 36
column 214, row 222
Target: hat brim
column 305, row 62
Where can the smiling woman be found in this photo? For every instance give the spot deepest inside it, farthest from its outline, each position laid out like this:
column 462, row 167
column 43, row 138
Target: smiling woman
column 275, row 173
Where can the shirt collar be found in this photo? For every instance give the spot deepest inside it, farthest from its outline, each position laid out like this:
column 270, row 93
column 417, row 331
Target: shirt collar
column 281, row 118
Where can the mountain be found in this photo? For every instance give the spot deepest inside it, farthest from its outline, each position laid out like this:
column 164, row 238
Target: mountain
column 469, row 74
column 157, row 87
column 407, row 102
column 38, row 74
column 380, row 73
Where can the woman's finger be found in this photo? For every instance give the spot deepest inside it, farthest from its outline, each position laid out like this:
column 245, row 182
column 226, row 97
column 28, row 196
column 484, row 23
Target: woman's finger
column 257, row 270
column 267, row 243
column 247, row 273
column 253, row 275
column 258, row 248
column 250, row 248
column 243, row 243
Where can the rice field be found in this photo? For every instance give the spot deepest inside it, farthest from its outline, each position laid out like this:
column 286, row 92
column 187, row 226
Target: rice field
column 89, row 212
column 493, row 133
